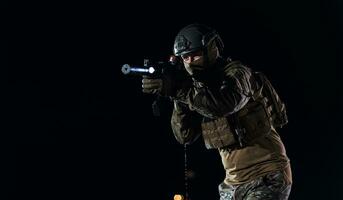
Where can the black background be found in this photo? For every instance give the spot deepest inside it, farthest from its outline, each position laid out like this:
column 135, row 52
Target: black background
column 82, row 129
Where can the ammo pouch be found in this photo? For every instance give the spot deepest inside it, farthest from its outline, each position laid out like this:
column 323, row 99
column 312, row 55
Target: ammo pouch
column 254, row 123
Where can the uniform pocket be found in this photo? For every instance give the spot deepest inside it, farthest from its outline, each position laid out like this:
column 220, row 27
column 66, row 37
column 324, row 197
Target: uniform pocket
column 256, row 122
column 217, row 133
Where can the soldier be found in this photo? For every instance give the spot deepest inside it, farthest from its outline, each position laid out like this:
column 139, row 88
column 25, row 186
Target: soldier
column 235, row 109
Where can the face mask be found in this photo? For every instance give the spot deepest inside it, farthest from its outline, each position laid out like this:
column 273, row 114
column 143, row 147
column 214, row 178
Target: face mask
column 195, row 66
column 199, row 66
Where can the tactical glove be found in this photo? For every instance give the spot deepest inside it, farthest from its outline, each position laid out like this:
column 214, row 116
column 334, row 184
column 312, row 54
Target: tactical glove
column 163, row 86
column 168, row 84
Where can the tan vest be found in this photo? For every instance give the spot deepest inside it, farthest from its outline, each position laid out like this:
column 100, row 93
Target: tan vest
column 256, row 119
column 261, row 150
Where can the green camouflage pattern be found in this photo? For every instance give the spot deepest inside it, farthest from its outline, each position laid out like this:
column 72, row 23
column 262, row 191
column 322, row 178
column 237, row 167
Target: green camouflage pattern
column 273, row 186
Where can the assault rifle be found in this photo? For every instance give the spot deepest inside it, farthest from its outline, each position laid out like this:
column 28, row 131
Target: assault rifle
column 152, row 69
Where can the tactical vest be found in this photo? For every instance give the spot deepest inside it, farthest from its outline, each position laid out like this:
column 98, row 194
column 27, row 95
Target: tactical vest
column 257, row 118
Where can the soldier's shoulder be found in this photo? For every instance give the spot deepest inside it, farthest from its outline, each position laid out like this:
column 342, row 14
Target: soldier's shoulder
column 235, row 66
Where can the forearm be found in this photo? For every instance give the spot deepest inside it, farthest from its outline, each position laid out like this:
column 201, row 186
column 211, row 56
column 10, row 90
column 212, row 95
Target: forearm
column 186, row 124
column 221, row 99
column 212, row 103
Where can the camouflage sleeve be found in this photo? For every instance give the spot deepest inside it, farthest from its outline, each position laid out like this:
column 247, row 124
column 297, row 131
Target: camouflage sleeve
column 186, row 124
column 222, row 100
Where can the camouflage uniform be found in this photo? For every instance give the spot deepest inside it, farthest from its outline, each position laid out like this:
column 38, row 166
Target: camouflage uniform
column 258, row 170
column 272, row 186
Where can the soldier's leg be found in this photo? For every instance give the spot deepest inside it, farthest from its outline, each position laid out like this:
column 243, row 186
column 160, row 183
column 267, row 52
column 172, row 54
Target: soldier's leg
column 273, row 186
column 226, row 192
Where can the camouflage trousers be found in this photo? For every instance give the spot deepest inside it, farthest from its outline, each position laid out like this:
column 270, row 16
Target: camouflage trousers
column 273, row 186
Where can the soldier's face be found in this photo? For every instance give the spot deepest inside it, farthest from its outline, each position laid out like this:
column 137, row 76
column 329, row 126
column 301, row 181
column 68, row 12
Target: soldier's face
column 193, row 61
column 190, row 57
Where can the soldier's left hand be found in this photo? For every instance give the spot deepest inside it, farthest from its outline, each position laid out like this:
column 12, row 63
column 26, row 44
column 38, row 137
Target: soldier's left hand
column 152, row 85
